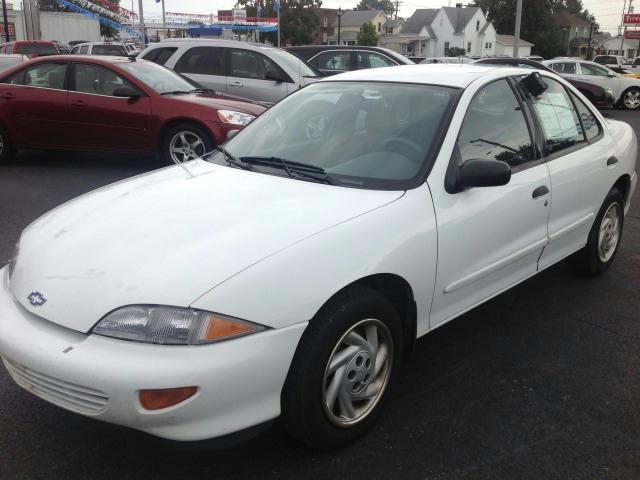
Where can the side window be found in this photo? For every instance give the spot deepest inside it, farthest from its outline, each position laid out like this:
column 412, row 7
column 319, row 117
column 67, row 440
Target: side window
column 97, row 80
column 46, row 75
column 160, row 55
column 558, row 118
column 84, row 49
column 378, row 61
column 494, row 127
column 203, row 61
column 333, row 61
column 247, row 64
column 566, row 68
column 590, row 123
column 15, row 79
column 74, row 50
column 590, row 69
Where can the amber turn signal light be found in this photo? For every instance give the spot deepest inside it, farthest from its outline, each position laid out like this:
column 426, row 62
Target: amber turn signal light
column 221, row 327
column 165, row 397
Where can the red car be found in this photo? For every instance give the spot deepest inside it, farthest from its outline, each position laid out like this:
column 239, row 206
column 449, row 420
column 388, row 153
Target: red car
column 113, row 103
column 30, row 48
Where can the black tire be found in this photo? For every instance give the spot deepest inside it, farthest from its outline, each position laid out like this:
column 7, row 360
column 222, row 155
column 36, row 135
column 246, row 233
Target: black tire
column 635, row 91
column 6, row 147
column 304, row 412
column 587, row 261
column 191, row 131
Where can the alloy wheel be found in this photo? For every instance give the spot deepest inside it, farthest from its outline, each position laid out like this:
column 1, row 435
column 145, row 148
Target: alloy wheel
column 357, row 372
column 185, row 146
column 609, row 234
column 632, row 99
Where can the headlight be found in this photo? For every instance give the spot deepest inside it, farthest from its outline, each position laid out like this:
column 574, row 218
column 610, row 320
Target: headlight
column 234, row 118
column 14, row 259
column 171, row 325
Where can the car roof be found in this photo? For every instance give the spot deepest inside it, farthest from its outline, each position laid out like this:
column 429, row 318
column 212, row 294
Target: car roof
column 458, row 75
column 101, row 59
column 212, row 41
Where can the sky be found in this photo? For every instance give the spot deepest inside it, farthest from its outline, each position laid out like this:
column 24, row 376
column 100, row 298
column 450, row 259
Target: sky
column 607, row 12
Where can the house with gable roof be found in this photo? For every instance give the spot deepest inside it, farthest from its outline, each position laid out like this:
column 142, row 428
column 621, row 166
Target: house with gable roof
column 351, row 23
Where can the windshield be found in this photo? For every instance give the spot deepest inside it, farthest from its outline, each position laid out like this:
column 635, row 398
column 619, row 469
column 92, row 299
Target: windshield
column 40, row 49
column 116, row 50
column 363, row 135
column 292, row 62
column 159, row 78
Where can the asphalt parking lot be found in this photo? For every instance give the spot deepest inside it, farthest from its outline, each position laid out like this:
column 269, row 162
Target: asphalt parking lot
column 543, row 382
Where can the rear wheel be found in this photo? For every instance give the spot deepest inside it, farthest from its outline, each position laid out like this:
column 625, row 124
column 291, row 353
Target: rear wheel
column 604, row 238
column 6, row 149
column 185, row 142
column 631, row 99
column 342, row 370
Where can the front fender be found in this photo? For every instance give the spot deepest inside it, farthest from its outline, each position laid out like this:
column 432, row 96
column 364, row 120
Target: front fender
column 290, row 287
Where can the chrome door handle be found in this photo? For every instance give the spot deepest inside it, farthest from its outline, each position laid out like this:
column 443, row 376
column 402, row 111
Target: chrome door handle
column 236, row 84
column 540, row 191
column 79, row 103
column 611, row 161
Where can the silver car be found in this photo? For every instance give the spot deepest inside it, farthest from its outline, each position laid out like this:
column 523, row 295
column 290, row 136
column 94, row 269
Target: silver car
column 626, row 90
column 251, row 71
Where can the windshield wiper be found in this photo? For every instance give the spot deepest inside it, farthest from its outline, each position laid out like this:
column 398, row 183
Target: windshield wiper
column 293, row 169
column 176, row 92
column 231, row 160
column 202, row 90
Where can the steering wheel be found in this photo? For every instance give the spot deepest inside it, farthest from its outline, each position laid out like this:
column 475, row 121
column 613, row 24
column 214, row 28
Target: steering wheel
column 404, row 146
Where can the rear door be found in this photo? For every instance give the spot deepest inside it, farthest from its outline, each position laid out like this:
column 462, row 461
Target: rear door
column 101, row 120
column 34, row 105
column 206, row 66
column 247, row 77
column 332, row 62
column 373, row 60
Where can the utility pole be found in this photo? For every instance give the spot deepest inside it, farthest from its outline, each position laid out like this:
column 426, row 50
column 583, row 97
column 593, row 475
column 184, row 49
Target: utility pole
column 6, row 21
column 143, row 31
column 589, row 44
column 340, row 12
column 516, row 45
column 164, row 23
column 624, row 30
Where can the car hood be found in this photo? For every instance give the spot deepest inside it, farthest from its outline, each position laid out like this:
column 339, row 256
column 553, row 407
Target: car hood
column 222, row 103
column 168, row 237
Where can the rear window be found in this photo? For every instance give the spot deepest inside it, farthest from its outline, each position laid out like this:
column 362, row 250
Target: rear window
column 605, row 60
column 160, row 55
column 116, row 50
column 39, row 49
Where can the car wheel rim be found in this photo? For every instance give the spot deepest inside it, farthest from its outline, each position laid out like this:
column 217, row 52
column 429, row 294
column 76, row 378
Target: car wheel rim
column 632, row 99
column 609, row 234
column 357, row 372
column 185, row 146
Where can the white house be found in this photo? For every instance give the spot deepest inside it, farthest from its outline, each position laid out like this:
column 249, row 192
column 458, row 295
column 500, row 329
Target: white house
column 505, row 44
column 351, row 22
column 429, row 32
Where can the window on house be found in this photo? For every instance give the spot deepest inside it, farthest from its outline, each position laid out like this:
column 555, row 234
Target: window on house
column 446, row 47
column 379, row 26
column 468, row 47
column 477, row 25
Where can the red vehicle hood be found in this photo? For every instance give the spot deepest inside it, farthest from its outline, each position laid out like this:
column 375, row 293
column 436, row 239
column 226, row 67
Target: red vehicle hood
column 223, row 103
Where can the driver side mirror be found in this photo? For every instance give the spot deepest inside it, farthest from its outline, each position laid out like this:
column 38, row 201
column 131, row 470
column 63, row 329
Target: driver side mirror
column 478, row 173
column 274, row 75
column 126, row 91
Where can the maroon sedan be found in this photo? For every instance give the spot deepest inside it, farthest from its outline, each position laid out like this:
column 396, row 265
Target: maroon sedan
column 113, row 103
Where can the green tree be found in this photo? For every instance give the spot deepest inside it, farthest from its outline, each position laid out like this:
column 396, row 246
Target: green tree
column 454, row 52
column 110, row 32
column 50, row 6
column 367, row 35
column 298, row 20
column 387, row 6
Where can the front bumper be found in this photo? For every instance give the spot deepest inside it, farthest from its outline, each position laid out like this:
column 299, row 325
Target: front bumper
column 239, row 381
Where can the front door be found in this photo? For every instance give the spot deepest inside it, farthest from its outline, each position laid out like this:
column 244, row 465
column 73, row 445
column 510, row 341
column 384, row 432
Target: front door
column 247, row 77
column 103, row 121
column 601, row 76
column 204, row 65
column 490, row 238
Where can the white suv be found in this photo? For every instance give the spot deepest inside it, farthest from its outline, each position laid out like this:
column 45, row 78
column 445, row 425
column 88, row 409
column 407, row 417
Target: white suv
column 100, row 48
column 251, row 71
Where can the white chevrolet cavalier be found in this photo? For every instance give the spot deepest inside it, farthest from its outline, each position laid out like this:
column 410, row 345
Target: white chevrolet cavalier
column 290, row 273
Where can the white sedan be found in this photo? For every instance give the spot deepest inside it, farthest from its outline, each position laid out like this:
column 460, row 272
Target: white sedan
column 290, row 272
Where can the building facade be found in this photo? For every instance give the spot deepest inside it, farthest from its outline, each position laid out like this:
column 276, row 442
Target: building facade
column 348, row 26
column 505, row 44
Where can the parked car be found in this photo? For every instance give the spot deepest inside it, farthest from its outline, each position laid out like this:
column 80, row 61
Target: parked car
column 457, row 60
column 333, row 59
column 100, row 48
column 132, row 49
column 63, row 47
column 536, row 58
column 614, row 62
column 30, row 48
column 252, row 71
column 290, row 273
column 9, row 60
column 113, row 103
column 597, row 95
column 626, row 91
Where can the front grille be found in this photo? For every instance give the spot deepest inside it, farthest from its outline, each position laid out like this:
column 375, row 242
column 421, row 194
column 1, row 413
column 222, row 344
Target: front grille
column 76, row 398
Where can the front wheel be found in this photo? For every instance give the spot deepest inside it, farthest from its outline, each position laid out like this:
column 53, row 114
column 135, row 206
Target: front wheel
column 631, row 98
column 6, row 150
column 342, row 370
column 604, row 238
column 185, row 142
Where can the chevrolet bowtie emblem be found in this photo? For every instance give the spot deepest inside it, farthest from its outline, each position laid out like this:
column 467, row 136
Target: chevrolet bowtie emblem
column 36, row 299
